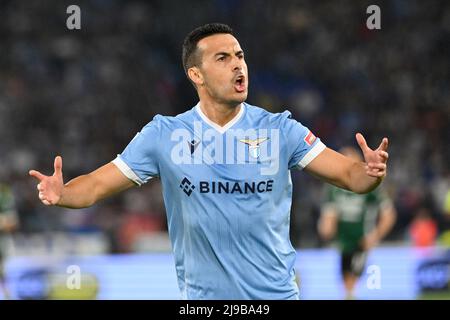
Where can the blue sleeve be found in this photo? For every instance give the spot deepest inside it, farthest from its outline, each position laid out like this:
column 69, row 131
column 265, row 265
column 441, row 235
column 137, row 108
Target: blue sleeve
column 302, row 145
column 139, row 161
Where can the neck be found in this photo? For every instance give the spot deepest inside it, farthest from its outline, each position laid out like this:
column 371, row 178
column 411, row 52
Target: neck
column 218, row 113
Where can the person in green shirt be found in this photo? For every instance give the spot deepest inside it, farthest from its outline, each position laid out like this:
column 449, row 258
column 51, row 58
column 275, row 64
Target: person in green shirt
column 8, row 222
column 358, row 221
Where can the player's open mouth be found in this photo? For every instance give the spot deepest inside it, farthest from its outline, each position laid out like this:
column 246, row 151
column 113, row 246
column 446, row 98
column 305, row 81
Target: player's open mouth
column 239, row 84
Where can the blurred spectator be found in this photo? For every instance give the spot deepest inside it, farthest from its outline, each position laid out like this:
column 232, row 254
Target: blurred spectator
column 8, row 223
column 141, row 217
column 423, row 230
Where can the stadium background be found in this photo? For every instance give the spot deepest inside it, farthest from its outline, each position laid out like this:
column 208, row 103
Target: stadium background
column 84, row 94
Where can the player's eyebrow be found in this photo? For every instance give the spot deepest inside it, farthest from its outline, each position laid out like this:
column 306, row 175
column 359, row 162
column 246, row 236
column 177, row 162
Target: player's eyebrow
column 226, row 54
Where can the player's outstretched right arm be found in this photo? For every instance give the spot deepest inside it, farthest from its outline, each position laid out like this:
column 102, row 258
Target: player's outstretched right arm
column 82, row 191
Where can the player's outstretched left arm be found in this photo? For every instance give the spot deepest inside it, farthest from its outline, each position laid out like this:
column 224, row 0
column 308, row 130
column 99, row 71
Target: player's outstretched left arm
column 344, row 172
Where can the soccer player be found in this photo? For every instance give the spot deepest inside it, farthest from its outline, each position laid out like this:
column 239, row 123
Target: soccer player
column 360, row 221
column 8, row 222
column 225, row 168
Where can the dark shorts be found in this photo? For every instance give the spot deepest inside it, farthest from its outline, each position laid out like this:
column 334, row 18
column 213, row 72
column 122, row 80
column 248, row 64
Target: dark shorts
column 353, row 262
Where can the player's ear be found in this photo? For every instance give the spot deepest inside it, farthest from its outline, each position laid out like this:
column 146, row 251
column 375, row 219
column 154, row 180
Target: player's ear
column 195, row 75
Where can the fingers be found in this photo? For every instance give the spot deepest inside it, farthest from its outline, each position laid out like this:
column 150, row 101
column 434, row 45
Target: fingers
column 44, row 185
column 376, row 174
column 44, row 199
column 377, row 166
column 361, row 142
column 376, row 170
column 383, row 155
column 384, row 144
column 58, row 166
column 37, row 175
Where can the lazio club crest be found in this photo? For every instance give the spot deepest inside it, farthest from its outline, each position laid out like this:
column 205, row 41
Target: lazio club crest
column 253, row 146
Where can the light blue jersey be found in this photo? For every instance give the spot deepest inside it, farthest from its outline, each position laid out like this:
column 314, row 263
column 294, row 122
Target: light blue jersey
column 228, row 193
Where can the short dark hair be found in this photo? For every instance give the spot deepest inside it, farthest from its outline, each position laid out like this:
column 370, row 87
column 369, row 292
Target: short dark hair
column 190, row 55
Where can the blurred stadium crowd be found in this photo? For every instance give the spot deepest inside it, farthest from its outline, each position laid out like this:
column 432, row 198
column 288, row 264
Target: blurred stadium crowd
column 84, row 94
